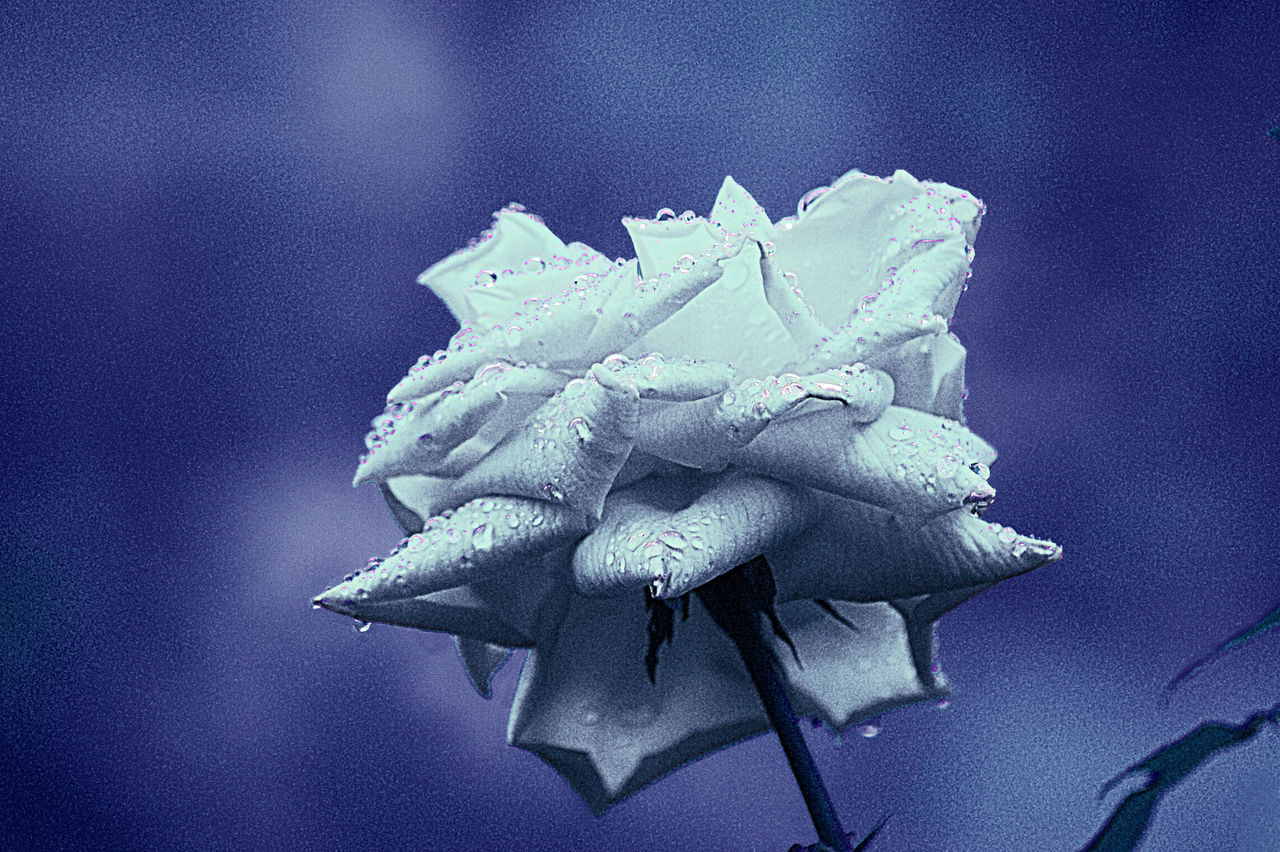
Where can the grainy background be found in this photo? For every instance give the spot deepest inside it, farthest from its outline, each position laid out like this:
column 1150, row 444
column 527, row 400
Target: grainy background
column 213, row 217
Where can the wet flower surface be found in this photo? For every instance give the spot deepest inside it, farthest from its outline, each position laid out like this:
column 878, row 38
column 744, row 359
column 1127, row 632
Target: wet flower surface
column 605, row 437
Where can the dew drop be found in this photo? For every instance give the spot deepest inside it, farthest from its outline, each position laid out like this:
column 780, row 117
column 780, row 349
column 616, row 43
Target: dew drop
column 672, row 539
column 482, row 537
column 868, row 729
column 579, row 425
column 486, row 278
column 417, row 542
column 664, row 214
column 901, row 433
column 981, row 469
column 512, row 520
column 1008, row 535
column 685, row 263
column 363, row 626
column 811, row 196
column 947, row 467
column 553, row 493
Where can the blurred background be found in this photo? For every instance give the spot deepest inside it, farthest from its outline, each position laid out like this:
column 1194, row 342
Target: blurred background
column 214, row 214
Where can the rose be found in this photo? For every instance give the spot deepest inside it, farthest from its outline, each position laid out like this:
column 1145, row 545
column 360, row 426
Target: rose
column 600, row 429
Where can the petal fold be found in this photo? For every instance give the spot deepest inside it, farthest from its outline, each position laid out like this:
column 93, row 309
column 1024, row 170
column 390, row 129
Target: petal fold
column 418, row 435
column 706, row 433
column 568, row 451
column 643, row 543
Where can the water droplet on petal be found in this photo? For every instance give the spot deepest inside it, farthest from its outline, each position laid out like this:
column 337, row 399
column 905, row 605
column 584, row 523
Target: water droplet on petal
column 579, row 425
column 486, row 278
column 901, row 433
column 664, row 214
column 482, row 537
column 672, row 539
column 770, row 249
column 553, row 493
column 868, row 729
column 363, row 626
column 981, row 469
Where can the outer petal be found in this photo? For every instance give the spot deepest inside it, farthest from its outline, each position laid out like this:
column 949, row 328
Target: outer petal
column 569, row 451
column 644, row 543
column 861, row 553
column 480, row 540
column 585, row 704
column 853, row 668
column 481, row 661
column 915, row 464
column 512, row 610
column 516, row 258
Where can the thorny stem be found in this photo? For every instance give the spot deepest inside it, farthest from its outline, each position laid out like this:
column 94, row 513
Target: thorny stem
column 736, row 601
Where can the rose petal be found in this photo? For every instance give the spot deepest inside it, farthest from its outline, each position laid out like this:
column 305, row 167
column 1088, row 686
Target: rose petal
column 910, row 462
column 513, row 610
column 788, row 303
column 585, row 704
column 480, row 540
column 848, row 673
column 481, row 660
column 736, row 212
column 417, row 436
column 706, row 433
column 928, row 374
column 548, row 332
column 633, row 310
column 716, row 322
column 568, row 451
column 472, row 283
column 861, row 553
column 642, row 542
column 846, row 240
column 674, row 380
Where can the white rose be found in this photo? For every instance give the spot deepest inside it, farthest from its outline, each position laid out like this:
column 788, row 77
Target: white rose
column 597, row 429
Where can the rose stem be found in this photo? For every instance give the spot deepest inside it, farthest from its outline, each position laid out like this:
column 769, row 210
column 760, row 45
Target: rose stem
column 734, row 601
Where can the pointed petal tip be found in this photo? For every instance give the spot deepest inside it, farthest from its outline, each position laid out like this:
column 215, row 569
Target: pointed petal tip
column 332, row 602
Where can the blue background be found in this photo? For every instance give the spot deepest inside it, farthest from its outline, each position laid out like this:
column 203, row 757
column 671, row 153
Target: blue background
column 213, row 218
